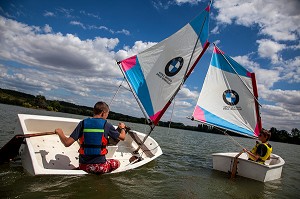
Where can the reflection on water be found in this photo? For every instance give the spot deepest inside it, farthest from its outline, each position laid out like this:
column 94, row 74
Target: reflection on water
column 183, row 171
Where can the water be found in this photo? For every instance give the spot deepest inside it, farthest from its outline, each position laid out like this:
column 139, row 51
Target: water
column 183, row 171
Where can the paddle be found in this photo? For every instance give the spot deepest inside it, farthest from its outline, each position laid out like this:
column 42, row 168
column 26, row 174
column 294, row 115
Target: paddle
column 234, row 167
column 11, row 149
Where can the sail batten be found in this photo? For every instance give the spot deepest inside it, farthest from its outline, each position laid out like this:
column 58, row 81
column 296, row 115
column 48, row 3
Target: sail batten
column 156, row 74
column 228, row 98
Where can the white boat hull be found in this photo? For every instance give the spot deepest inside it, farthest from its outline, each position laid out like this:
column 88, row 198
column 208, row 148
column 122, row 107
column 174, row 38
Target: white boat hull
column 249, row 169
column 46, row 155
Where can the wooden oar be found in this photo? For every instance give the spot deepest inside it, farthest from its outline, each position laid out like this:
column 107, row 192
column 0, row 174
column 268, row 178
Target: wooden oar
column 11, row 149
column 234, row 167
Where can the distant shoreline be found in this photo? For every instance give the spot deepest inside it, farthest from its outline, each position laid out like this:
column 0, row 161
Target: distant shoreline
column 40, row 102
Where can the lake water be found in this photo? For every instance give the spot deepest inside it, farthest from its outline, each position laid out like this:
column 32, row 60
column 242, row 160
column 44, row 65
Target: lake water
column 183, row 171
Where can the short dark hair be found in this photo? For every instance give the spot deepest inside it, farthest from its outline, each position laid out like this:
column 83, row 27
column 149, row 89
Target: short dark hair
column 100, row 107
column 267, row 133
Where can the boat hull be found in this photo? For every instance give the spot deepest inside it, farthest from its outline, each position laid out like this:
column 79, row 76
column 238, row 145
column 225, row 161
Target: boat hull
column 46, row 155
column 270, row 171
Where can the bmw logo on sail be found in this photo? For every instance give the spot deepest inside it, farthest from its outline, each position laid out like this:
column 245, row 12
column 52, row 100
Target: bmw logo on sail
column 231, row 98
column 174, row 66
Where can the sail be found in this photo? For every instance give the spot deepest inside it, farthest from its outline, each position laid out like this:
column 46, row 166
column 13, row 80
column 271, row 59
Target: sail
column 156, row 74
column 228, row 98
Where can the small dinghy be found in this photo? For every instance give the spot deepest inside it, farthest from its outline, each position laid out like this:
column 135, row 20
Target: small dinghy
column 271, row 170
column 229, row 101
column 46, row 155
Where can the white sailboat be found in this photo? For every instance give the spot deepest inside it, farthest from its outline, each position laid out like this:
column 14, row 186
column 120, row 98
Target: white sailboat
column 155, row 76
column 228, row 100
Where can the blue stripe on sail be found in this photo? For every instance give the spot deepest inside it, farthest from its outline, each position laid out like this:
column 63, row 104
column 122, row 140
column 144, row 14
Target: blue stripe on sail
column 220, row 62
column 213, row 119
column 137, row 80
column 197, row 25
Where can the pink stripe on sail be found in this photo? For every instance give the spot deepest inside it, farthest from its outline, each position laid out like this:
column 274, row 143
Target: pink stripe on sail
column 256, row 130
column 199, row 114
column 128, row 63
column 218, row 51
column 248, row 74
column 155, row 118
column 207, row 8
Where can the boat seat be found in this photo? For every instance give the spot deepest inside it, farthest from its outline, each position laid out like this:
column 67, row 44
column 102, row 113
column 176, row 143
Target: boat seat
column 111, row 151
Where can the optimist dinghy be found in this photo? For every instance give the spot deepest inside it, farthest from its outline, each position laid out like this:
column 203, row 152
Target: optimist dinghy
column 271, row 170
column 46, row 155
column 233, row 105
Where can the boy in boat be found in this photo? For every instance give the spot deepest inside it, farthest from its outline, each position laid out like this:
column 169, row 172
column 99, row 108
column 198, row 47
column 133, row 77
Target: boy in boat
column 261, row 151
column 92, row 134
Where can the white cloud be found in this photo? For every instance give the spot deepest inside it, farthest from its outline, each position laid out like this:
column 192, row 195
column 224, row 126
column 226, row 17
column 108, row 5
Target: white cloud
column 284, row 118
column 179, row 2
column 291, row 70
column 47, row 29
column 65, row 65
column 278, row 19
column 138, row 47
column 48, row 14
column 56, row 51
column 270, row 49
column 159, row 4
column 77, row 23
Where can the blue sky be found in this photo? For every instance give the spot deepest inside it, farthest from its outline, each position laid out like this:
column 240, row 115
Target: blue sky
column 66, row 50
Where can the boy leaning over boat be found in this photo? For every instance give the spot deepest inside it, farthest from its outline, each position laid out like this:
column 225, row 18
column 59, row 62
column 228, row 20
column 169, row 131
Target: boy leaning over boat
column 261, row 151
column 92, row 134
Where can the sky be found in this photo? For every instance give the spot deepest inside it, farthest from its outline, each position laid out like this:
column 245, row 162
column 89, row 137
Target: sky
column 67, row 50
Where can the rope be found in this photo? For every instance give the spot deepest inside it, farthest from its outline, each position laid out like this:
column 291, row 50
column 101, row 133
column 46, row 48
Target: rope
column 236, row 142
column 171, row 116
column 116, row 92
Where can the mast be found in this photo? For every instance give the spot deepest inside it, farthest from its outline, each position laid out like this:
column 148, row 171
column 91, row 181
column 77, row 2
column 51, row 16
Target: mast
column 259, row 123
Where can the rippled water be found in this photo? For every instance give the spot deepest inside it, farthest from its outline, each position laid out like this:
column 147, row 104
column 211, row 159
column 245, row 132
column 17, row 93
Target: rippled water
column 183, row 171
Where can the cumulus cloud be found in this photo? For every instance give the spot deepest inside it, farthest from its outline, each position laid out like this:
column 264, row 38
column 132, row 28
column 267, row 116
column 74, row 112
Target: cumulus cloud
column 138, row 47
column 277, row 19
column 47, row 29
column 284, row 118
column 56, row 51
column 64, row 64
column 270, row 49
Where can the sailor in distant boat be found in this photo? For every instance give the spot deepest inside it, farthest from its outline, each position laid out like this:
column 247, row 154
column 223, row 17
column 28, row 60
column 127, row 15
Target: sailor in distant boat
column 261, row 151
column 92, row 134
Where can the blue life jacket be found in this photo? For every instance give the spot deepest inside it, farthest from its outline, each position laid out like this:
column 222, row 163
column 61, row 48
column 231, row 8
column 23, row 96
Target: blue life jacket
column 93, row 141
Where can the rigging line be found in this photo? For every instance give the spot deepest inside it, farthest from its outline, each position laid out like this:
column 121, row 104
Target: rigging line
column 233, row 139
column 195, row 46
column 224, row 131
column 171, row 116
column 238, row 76
column 116, row 92
column 189, row 63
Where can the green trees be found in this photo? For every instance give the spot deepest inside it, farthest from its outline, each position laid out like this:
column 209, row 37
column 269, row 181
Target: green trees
column 284, row 136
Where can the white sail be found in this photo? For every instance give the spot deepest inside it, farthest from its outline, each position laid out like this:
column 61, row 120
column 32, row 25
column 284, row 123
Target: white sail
column 156, row 74
column 228, row 98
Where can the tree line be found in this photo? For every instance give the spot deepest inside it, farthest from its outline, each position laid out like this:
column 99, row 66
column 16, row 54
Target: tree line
column 40, row 102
